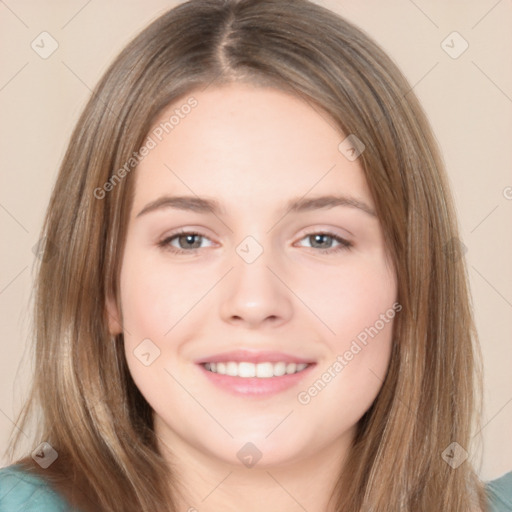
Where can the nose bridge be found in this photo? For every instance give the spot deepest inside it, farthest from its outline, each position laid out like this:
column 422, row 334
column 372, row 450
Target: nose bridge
column 254, row 292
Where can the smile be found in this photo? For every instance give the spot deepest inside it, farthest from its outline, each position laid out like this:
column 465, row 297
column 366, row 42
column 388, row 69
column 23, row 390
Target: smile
column 255, row 380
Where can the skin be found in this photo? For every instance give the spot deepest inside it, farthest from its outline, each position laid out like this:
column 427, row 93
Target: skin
column 253, row 149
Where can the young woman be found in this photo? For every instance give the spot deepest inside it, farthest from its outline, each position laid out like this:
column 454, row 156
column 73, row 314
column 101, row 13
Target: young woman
column 251, row 296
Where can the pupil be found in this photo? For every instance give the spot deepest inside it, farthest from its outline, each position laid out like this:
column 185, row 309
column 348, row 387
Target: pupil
column 189, row 239
column 320, row 237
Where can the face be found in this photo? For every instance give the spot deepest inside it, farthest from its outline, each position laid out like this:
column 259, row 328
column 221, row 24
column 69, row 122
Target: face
column 247, row 319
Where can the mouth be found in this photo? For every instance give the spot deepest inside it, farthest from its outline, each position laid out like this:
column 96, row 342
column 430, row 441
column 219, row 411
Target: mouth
column 257, row 374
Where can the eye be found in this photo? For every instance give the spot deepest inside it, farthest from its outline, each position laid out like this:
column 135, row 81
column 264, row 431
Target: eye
column 190, row 242
column 322, row 239
column 187, row 241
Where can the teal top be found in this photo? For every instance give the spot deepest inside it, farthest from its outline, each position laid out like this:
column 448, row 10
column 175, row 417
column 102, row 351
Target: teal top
column 24, row 492
column 21, row 491
column 499, row 492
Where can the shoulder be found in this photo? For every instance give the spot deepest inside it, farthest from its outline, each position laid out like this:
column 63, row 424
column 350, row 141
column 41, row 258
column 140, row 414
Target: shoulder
column 23, row 491
column 499, row 492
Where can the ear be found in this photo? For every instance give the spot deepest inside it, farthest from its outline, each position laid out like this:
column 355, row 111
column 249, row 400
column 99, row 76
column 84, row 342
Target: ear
column 115, row 325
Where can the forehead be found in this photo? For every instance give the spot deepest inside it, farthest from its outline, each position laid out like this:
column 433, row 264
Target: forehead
column 248, row 143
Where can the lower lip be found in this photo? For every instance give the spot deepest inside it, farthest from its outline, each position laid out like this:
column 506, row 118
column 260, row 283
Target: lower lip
column 254, row 386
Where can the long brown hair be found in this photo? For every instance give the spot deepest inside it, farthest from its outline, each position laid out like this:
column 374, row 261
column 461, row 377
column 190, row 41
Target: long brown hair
column 91, row 411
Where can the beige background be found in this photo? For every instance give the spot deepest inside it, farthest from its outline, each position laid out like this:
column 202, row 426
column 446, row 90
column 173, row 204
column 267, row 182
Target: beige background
column 468, row 100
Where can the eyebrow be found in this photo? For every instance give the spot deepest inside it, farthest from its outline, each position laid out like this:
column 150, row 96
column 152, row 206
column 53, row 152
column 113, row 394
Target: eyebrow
column 202, row 205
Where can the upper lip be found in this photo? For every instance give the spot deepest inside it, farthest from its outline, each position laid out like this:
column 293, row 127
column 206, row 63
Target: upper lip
column 253, row 356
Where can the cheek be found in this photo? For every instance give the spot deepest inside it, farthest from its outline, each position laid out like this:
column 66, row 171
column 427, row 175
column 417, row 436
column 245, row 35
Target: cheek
column 161, row 305
column 155, row 298
column 360, row 307
column 153, row 302
column 350, row 298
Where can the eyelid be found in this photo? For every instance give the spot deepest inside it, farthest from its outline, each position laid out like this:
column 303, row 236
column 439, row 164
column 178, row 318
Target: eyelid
column 328, row 230
column 343, row 242
column 164, row 242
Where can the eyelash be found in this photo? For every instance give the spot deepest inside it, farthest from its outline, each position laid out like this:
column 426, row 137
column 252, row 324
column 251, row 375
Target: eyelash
column 165, row 243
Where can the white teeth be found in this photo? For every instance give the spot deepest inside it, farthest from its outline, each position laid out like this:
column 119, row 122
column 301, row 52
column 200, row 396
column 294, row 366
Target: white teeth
column 279, row 369
column 260, row 370
column 264, row 370
column 245, row 370
column 231, row 369
column 291, row 368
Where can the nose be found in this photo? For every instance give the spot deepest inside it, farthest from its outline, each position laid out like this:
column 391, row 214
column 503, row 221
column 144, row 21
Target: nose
column 256, row 294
